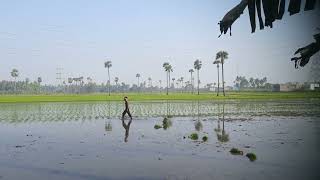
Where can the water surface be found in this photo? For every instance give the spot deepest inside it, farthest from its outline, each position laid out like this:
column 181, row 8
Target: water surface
column 90, row 141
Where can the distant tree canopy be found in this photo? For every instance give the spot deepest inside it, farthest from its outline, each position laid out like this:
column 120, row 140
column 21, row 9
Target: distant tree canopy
column 241, row 82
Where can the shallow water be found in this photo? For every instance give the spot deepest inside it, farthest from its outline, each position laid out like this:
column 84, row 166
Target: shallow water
column 89, row 141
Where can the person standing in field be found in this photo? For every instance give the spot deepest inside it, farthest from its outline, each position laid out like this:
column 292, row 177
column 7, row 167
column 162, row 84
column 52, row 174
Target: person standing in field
column 126, row 111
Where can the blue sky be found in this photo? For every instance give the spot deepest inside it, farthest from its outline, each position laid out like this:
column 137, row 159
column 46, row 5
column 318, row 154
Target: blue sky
column 36, row 37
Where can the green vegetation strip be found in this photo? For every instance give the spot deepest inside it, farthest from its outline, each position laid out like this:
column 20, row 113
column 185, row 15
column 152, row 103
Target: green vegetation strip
column 155, row 96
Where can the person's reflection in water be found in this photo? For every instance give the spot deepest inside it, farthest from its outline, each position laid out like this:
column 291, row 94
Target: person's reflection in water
column 126, row 127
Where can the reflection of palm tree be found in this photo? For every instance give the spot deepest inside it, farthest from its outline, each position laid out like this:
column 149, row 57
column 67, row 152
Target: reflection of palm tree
column 168, row 110
column 126, row 127
column 223, row 137
column 222, row 55
column 108, row 126
column 198, row 124
column 218, row 129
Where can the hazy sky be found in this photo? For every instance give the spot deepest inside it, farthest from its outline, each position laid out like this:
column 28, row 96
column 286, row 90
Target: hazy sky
column 36, row 37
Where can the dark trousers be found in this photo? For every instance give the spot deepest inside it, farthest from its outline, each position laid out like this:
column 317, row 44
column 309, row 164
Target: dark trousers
column 126, row 111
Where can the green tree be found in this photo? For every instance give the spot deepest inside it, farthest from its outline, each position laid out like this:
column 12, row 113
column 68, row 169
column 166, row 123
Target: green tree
column 138, row 76
column 116, row 80
column 168, row 68
column 191, row 80
column 173, row 79
column 15, row 73
column 108, row 65
column 150, row 81
column 222, row 55
column 217, row 62
column 197, row 66
column 39, row 82
column 251, row 81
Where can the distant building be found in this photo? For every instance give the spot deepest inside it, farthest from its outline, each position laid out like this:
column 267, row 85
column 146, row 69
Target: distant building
column 275, row 87
column 314, row 86
column 291, row 87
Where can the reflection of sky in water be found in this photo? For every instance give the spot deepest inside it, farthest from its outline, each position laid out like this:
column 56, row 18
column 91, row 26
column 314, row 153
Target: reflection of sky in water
column 284, row 135
column 44, row 112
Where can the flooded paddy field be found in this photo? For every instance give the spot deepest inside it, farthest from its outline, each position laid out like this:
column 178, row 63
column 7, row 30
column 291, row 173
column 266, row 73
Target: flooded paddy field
column 165, row 140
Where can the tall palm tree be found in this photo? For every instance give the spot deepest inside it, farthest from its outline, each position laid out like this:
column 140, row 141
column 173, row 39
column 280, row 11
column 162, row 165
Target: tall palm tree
column 108, row 65
column 197, row 66
column 39, row 82
column 191, row 80
column 168, row 68
column 217, row 62
column 15, row 73
column 222, row 55
column 138, row 76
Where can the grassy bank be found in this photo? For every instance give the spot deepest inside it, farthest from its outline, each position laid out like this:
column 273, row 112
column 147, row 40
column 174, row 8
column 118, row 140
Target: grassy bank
column 150, row 97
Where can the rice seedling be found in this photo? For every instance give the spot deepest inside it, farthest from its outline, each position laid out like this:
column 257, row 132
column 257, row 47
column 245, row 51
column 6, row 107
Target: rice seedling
column 251, row 156
column 194, row 136
column 235, row 151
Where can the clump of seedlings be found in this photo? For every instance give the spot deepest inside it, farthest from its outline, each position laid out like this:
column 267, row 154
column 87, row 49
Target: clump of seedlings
column 235, row 151
column 251, row 156
column 157, row 126
column 194, row 136
column 166, row 123
column 205, row 138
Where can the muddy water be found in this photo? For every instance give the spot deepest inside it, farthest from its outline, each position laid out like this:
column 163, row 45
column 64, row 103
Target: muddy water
column 89, row 141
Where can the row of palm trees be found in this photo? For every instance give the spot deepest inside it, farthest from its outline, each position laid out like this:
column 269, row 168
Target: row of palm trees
column 221, row 56
column 15, row 73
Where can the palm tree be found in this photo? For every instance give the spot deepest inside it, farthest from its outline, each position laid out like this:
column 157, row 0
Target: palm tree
column 138, row 76
column 160, row 85
column 70, row 80
column 116, row 80
column 251, row 81
column 15, row 74
column 197, row 66
column 173, row 79
column 39, row 82
column 191, row 80
column 222, row 55
column 217, row 62
column 181, row 81
column 150, row 81
column 168, row 68
column 108, row 65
